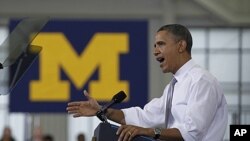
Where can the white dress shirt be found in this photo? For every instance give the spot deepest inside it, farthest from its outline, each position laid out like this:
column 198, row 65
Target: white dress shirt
column 199, row 108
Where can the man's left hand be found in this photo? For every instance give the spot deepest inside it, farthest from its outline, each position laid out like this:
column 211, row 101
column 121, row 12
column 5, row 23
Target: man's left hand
column 128, row 132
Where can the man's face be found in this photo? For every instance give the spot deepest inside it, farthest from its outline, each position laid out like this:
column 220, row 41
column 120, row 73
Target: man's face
column 166, row 51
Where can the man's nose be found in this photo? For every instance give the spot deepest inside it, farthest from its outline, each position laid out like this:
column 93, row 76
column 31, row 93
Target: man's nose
column 156, row 51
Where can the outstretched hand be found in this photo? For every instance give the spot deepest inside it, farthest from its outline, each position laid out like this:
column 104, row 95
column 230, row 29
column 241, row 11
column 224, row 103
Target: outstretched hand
column 83, row 108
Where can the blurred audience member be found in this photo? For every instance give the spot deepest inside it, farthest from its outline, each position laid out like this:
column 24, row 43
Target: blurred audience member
column 81, row 137
column 37, row 134
column 7, row 135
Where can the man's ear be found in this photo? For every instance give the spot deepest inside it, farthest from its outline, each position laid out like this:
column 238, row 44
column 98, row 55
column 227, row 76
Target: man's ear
column 182, row 46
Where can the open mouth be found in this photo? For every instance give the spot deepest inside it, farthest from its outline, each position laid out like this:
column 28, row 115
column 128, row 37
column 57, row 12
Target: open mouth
column 160, row 59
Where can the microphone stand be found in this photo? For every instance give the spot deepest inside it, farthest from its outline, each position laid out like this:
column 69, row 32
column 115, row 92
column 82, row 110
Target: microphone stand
column 101, row 115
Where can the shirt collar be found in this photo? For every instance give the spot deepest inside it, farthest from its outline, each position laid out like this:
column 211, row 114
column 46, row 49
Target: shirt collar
column 184, row 69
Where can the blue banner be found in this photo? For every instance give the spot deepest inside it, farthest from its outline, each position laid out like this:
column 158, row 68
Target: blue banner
column 103, row 57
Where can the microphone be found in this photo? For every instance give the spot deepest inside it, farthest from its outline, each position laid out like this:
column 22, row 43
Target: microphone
column 118, row 98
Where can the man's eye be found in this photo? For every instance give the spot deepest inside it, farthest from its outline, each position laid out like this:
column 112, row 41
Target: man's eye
column 160, row 44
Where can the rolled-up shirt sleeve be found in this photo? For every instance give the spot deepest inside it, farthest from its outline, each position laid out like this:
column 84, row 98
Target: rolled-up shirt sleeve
column 150, row 116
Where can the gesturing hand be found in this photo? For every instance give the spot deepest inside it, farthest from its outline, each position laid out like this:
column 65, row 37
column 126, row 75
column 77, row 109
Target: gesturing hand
column 83, row 108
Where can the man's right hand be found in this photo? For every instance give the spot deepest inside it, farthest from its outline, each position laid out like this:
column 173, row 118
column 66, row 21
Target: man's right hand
column 83, row 108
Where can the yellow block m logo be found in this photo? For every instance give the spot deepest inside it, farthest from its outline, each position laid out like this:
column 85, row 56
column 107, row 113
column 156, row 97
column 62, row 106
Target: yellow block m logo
column 102, row 54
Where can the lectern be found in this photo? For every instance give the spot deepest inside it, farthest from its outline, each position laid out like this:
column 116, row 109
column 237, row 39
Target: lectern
column 107, row 132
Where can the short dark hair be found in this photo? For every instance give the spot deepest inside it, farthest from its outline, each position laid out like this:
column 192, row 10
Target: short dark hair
column 81, row 137
column 48, row 138
column 180, row 32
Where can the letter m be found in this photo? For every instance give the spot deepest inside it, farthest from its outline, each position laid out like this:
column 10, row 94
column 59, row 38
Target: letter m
column 101, row 53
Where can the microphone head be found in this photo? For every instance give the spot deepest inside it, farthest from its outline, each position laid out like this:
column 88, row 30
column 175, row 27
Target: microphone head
column 119, row 97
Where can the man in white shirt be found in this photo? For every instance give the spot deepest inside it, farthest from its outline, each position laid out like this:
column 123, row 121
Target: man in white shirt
column 197, row 109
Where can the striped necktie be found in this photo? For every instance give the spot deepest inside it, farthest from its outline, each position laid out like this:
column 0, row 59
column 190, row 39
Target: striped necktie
column 169, row 100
